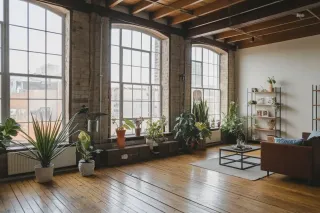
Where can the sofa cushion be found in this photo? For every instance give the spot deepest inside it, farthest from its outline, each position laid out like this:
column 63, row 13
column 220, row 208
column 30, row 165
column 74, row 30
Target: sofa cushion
column 314, row 134
column 298, row 142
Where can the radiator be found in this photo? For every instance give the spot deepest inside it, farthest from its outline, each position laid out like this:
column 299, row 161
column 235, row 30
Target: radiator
column 18, row 164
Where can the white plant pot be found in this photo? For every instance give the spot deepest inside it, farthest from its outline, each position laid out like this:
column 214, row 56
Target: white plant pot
column 150, row 143
column 86, row 169
column 43, row 175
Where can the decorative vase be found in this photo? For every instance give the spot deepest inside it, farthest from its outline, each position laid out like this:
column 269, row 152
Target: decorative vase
column 271, row 124
column 270, row 87
column 86, row 168
column 138, row 132
column 43, row 175
column 121, row 140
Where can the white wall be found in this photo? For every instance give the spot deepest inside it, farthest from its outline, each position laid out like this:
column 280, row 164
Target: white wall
column 295, row 65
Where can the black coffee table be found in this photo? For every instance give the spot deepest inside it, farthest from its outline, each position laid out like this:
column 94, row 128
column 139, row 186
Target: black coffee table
column 237, row 152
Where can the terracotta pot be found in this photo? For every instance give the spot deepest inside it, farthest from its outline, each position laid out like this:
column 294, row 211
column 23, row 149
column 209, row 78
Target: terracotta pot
column 121, row 140
column 270, row 87
column 43, row 175
column 138, row 132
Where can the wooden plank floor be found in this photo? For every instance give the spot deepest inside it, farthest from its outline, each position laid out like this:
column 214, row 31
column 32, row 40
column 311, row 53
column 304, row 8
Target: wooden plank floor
column 163, row 185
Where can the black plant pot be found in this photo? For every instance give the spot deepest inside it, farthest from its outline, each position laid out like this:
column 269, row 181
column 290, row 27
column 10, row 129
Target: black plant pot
column 228, row 138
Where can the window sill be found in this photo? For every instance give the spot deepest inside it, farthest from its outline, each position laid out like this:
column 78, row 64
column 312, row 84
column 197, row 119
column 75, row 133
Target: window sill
column 133, row 137
column 21, row 148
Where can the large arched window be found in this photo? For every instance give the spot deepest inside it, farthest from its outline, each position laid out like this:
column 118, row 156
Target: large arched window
column 32, row 62
column 135, row 76
column 206, row 79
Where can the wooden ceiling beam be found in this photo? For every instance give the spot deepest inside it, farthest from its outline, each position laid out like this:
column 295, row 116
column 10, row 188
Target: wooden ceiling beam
column 113, row 3
column 212, row 42
column 262, row 26
column 284, row 36
column 206, row 9
column 274, row 11
column 233, row 10
column 175, row 6
column 141, row 6
column 278, row 29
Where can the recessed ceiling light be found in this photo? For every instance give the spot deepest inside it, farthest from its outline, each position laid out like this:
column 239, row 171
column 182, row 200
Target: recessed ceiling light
column 300, row 15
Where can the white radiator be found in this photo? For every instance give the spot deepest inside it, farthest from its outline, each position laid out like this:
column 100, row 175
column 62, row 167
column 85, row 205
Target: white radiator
column 18, row 164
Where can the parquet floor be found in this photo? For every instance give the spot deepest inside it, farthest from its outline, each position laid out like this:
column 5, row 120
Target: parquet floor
column 163, row 185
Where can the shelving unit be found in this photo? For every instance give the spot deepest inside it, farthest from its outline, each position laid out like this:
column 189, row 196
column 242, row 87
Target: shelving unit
column 315, row 107
column 253, row 118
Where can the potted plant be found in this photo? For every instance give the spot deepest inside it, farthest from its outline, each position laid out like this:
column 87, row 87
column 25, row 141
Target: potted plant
column 189, row 132
column 271, row 82
column 232, row 125
column 48, row 143
column 86, row 164
column 200, row 110
column 155, row 132
column 7, row 130
column 138, row 123
column 204, row 133
column 121, row 131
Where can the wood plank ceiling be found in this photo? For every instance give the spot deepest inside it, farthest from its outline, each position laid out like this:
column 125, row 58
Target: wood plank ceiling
column 239, row 23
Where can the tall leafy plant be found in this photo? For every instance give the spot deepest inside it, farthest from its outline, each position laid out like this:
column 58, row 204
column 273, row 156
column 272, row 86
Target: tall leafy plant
column 201, row 112
column 232, row 123
column 50, row 139
column 8, row 130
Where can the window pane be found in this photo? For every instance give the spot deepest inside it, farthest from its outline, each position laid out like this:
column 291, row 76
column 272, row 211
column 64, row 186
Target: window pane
column 145, row 76
column 193, row 53
column 146, row 42
column 37, row 64
column 115, row 72
column 155, row 45
column 127, row 92
column 54, row 109
column 146, row 109
column 127, row 57
column 145, row 59
column 115, row 109
column 156, row 110
column 146, row 93
column 136, row 109
column 37, row 41
column 37, row 109
column 136, row 74
column 198, row 53
column 136, row 58
column 126, row 38
column 115, row 54
column 18, row 11
column 198, row 68
column 205, row 70
column 54, row 65
column 54, row 22
column 137, row 93
column 127, row 109
column 18, row 87
column 136, row 40
column 37, row 88
column 54, row 43
column 18, row 38
column 126, row 74
column 115, row 92
column 155, row 78
column 205, row 55
column 54, row 88
column 22, row 66
column 36, row 17
column 156, row 93
column 115, row 36
column 19, row 110
column 155, row 62
column 113, row 128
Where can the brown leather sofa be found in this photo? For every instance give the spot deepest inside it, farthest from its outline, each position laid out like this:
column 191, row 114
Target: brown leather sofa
column 292, row 160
